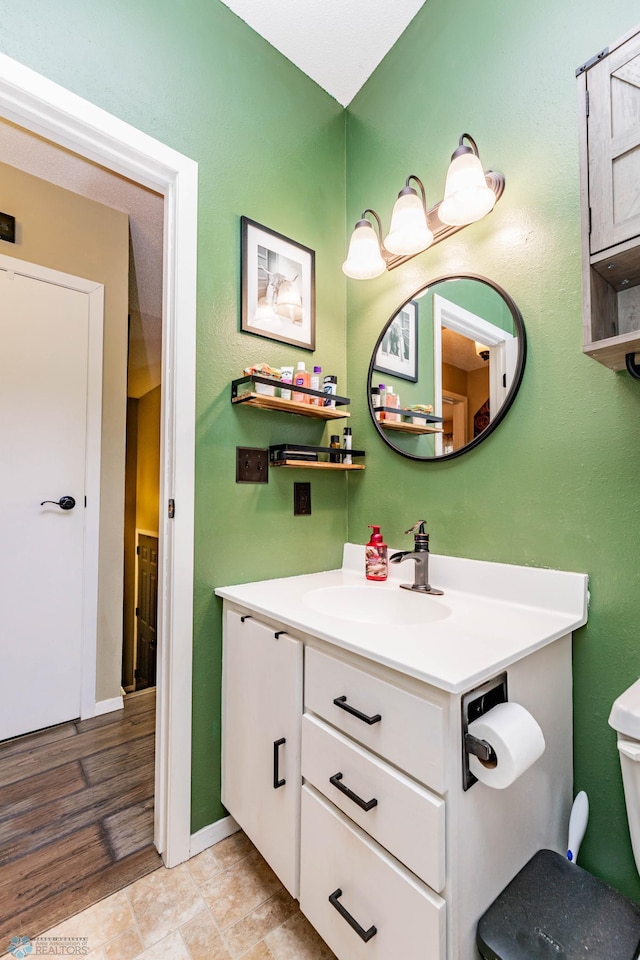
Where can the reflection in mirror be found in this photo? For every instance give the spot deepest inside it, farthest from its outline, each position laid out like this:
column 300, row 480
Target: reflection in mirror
column 446, row 367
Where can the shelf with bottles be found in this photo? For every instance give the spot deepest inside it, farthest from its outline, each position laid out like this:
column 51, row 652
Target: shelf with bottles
column 256, row 397
column 427, row 422
column 304, row 455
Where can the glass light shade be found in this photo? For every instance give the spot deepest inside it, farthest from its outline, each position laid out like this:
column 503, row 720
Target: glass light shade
column 467, row 197
column 409, row 232
column 364, row 260
column 288, row 294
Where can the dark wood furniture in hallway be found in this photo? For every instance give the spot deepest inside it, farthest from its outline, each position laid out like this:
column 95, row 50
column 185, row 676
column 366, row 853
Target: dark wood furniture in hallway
column 76, row 816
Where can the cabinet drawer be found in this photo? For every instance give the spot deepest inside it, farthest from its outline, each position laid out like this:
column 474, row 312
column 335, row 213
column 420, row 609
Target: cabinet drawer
column 339, row 859
column 405, row 818
column 409, row 732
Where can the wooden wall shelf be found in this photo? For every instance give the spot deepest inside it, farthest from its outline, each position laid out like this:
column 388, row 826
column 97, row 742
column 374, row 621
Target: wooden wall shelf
column 266, row 402
column 284, row 455
column 316, row 465
column 416, row 428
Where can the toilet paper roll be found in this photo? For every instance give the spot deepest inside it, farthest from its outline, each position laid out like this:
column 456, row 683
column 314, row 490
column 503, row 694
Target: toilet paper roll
column 516, row 739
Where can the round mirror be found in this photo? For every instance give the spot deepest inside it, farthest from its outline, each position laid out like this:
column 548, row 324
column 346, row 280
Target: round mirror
column 446, row 368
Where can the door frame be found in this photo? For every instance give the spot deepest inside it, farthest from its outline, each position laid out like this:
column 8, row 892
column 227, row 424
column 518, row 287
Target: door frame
column 462, row 321
column 49, row 110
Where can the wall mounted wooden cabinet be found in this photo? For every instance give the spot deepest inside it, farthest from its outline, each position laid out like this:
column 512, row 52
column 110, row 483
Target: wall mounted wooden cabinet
column 609, row 102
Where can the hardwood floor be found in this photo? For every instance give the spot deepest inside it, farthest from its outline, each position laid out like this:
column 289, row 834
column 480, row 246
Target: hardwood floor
column 76, row 815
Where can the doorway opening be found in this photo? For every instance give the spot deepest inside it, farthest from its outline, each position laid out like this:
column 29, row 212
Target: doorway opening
column 141, row 514
column 35, row 103
column 85, row 779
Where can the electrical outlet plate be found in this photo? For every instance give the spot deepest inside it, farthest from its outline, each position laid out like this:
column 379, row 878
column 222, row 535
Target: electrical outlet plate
column 301, row 499
column 252, row 465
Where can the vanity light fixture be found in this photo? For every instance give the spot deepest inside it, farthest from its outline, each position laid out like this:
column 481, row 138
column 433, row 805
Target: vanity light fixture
column 364, row 259
column 482, row 351
column 470, row 193
column 409, row 232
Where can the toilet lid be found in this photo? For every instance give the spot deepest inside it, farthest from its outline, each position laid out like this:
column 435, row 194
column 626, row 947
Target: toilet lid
column 554, row 909
column 625, row 712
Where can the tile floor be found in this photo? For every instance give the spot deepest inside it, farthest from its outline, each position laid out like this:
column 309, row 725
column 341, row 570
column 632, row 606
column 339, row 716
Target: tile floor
column 224, row 904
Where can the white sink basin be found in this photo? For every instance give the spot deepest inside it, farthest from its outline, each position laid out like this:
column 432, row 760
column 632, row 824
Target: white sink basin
column 375, row 604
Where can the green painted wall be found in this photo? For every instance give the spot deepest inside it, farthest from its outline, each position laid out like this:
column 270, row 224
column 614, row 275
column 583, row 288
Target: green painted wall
column 270, row 145
column 557, row 484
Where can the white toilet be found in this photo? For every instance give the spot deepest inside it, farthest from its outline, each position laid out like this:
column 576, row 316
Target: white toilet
column 625, row 718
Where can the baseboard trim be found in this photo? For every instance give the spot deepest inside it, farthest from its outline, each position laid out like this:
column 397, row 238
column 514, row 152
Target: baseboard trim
column 106, row 706
column 211, row 834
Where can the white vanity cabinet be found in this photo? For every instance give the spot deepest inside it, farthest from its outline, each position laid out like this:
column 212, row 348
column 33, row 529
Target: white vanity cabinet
column 375, row 831
column 261, row 707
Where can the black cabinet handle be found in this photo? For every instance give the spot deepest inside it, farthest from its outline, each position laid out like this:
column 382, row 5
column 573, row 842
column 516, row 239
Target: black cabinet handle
column 342, row 703
column 363, row 804
column 353, row 923
column 277, row 782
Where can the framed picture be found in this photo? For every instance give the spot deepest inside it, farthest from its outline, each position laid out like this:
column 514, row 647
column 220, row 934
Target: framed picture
column 398, row 352
column 278, row 287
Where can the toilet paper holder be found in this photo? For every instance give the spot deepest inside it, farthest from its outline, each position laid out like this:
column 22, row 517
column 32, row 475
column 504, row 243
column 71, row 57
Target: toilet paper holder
column 475, row 704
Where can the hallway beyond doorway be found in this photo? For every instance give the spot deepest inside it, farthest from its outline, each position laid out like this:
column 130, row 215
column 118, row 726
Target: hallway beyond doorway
column 76, row 815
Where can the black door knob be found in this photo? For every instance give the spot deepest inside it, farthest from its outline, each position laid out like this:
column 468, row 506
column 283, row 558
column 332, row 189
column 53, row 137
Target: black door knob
column 65, row 503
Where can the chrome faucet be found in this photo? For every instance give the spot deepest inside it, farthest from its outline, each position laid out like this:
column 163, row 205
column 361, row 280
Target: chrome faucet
column 420, row 554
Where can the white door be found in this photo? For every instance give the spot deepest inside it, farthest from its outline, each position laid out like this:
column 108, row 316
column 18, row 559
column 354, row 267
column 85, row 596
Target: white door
column 44, row 338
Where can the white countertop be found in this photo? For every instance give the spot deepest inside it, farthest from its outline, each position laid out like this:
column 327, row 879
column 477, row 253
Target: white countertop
column 495, row 614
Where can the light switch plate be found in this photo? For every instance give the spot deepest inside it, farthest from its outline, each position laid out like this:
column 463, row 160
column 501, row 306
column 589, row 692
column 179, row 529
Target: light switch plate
column 252, row 465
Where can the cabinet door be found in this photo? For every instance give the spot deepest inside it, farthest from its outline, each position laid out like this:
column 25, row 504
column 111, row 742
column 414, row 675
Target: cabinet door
column 261, row 715
column 614, row 146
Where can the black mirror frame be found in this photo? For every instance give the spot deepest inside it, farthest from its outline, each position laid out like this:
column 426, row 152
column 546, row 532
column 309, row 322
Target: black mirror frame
column 515, row 385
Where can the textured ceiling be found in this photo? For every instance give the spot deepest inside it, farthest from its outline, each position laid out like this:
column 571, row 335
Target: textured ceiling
column 338, row 43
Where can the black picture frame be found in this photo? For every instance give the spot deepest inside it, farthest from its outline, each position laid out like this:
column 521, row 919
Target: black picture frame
column 397, row 354
column 278, row 292
column 7, row 228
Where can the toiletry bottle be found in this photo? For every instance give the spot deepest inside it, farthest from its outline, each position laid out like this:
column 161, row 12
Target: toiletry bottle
column 347, row 445
column 301, row 379
column 330, row 388
column 335, row 445
column 383, row 400
column 392, row 400
column 286, row 376
column 375, row 401
column 376, row 562
column 315, row 383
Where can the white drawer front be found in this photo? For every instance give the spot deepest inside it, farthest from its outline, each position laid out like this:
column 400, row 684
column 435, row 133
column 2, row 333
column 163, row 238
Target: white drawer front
column 406, row 819
column 376, row 891
column 410, row 731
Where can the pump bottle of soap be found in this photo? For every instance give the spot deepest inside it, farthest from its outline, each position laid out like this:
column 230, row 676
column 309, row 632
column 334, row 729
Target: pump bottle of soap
column 376, row 562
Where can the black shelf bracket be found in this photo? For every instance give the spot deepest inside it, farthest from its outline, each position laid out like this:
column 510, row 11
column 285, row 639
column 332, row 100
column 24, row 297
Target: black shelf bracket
column 633, row 368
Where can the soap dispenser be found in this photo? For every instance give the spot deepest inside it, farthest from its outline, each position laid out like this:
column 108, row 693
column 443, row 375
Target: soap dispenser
column 376, row 563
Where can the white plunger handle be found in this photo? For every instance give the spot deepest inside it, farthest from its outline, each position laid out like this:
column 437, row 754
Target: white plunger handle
column 577, row 825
